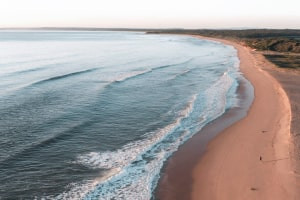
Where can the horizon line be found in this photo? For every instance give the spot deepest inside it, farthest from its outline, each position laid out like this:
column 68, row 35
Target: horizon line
column 140, row 29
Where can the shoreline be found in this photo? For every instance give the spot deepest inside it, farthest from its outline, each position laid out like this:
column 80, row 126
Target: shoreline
column 230, row 167
column 171, row 186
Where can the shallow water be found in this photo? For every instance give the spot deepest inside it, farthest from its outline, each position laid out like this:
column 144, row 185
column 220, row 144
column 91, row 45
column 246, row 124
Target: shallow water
column 94, row 115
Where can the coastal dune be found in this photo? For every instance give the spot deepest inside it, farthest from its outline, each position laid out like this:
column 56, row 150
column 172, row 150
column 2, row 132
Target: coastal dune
column 251, row 159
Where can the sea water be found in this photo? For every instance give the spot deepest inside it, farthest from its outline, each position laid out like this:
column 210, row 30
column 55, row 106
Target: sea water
column 94, row 115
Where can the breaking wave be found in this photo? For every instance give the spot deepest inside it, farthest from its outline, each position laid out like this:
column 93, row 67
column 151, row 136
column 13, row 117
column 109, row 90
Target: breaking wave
column 132, row 172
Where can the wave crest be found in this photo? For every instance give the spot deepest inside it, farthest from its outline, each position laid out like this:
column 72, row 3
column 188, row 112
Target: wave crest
column 136, row 166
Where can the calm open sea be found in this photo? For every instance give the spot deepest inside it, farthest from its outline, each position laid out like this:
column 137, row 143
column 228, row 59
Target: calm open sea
column 94, row 115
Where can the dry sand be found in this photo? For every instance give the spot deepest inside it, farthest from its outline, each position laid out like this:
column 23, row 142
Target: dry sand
column 290, row 81
column 231, row 167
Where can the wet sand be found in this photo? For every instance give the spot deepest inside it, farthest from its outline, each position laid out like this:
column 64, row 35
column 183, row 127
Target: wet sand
column 177, row 179
column 250, row 159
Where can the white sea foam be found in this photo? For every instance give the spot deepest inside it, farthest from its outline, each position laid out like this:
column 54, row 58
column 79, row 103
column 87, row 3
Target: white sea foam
column 117, row 162
column 79, row 190
column 124, row 76
column 133, row 170
column 219, row 90
column 180, row 74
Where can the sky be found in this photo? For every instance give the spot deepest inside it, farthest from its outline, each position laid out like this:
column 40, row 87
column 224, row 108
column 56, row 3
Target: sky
column 151, row 13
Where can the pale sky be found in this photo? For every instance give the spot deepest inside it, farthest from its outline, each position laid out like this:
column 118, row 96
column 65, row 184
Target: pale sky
column 151, row 13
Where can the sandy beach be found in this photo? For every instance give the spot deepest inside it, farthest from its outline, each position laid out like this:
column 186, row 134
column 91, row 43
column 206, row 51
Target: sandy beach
column 251, row 159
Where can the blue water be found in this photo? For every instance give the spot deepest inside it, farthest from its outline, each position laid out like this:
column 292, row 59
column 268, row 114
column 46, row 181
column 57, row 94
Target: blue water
column 94, row 115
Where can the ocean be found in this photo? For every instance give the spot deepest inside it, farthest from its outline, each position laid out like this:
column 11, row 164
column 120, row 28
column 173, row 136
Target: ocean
column 95, row 115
